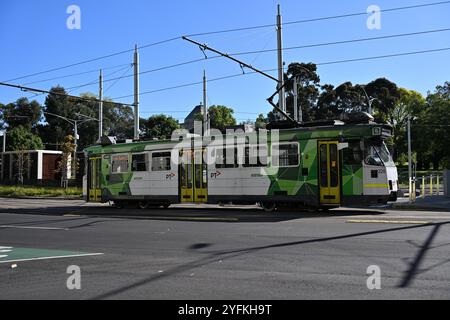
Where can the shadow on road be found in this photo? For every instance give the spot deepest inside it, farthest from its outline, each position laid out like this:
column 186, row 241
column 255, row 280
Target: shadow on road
column 210, row 214
column 227, row 254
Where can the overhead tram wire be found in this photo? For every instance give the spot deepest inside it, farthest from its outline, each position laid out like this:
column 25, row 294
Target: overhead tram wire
column 275, row 69
column 71, row 89
column 247, row 53
column 272, row 50
column 92, row 60
column 226, row 31
column 23, row 88
column 318, row 19
column 118, row 79
column 74, row 74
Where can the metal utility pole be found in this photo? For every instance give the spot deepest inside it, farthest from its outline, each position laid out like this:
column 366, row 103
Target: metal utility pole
column 205, row 107
column 4, row 142
column 136, row 93
column 410, row 161
column 100, row 107
column 296, row 115
column 75, row 132
column 281, row 96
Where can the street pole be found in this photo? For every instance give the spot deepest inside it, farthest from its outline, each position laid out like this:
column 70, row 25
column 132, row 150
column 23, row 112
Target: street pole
column 3, row 154
column 281, row 97
column 75, row 141
column 205, row 107
column 409, row 160
column 4, row 142
column 295, row 100
column 136, row 93
column 100, row 107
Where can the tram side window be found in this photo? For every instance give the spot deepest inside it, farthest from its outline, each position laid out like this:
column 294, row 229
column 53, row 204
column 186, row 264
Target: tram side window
column 119, row 163
column 226, row 158
column 285, row 155
column 255, row 156
column 353, row 154
column 139, row 162
column 160, row 161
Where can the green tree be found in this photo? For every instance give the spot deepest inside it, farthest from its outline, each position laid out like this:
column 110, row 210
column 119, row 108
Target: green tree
column 159, row 126
column 22, row 113
column 57, row 103
column 308, row 85
column 117, row 118
column 261, row 122
column 430, row 132
column 410, row 104
column 385, row 94
column 67, row 148
column 221, row 117
column 20, row 138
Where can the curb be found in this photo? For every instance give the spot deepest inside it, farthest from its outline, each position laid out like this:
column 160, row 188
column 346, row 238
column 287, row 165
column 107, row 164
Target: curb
column 420, row 207
column 43, row 198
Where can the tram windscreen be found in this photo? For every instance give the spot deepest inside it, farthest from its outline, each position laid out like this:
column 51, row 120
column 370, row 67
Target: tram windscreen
column 377, row 153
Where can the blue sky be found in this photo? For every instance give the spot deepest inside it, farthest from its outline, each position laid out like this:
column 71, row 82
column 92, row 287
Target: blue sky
column 34, row 37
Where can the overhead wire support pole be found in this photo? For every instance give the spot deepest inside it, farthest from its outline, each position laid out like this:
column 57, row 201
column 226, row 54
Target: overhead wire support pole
column 100, row 107
column 136, row 93
column 205, row 107
column 282, row 95
column 243, row 64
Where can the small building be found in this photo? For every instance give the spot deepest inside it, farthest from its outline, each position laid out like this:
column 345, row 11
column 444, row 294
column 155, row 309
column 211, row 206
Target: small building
column 189, row 120
column 39, row 167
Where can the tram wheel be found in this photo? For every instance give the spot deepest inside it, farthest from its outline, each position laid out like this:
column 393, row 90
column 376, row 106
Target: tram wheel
column 268, row 206
column 142, row 204
column 119, row 205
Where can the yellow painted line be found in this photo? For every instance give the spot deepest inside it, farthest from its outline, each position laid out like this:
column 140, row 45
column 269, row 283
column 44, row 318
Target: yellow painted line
column 71, row 215
column 376, row 185
column 389, row 221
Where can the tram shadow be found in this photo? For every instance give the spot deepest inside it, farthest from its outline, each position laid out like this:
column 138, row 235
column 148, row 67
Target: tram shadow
column 222, row 214
column 193, row 213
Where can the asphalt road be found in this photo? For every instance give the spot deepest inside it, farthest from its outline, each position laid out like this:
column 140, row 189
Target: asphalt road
column 220, row 252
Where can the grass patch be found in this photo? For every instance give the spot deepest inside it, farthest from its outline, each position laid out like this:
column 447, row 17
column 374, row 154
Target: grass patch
column 33, row 191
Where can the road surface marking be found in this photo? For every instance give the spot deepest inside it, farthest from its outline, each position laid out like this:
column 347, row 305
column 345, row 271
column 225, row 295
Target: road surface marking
column 52, row 257
column 26, row 227
column 30, row 254
column 389, row 221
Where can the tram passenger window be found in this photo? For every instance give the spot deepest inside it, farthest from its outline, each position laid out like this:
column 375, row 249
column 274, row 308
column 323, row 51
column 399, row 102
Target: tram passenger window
column 255, row 156
column 119, row 163
column 139, row 162
column 285, row 155
column 160, row 161
column 353, row 154
column 226, row 158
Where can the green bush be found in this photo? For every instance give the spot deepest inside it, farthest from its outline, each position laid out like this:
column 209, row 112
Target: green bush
column 32, row 191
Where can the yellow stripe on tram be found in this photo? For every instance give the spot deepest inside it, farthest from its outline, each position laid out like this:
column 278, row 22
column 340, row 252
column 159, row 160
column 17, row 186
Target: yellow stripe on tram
column 376, row 185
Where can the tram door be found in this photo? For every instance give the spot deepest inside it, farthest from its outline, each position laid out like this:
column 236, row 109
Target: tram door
column 329, row 179
column 94, row 179
column 193, row 176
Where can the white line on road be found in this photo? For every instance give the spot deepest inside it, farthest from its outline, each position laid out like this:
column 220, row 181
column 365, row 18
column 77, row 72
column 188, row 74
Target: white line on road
column 26, row 227
column 57, row 257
